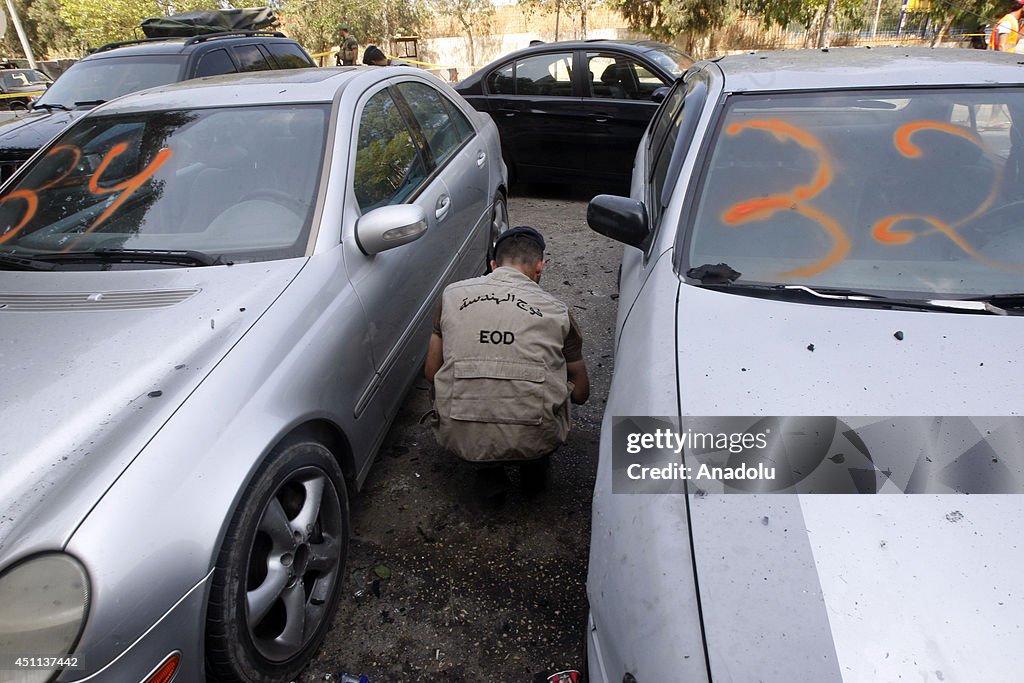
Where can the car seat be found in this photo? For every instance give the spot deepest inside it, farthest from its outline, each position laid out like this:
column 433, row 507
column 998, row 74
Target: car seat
column 611, row 79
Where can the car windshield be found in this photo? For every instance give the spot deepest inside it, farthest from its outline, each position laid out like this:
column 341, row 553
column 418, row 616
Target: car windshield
column 918, row 192
column 670, row 59
column 20, row 78
column 101, row 80
column 237, row 183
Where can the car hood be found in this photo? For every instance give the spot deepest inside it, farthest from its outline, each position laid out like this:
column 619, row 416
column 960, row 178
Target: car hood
column 831, row 587
column 25, row 133
column 93, row 364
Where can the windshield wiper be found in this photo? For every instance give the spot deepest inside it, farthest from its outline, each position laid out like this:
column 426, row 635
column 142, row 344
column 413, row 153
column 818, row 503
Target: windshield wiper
column 12, row 262
column 967, row 305
column 89, row 103
column 48, row 105
column 838, row 294
column 186, row 257
column 1013, row 301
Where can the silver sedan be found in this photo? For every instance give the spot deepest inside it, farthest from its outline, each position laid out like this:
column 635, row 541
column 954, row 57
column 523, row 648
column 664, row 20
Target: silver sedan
column 213, row 296
column 819, row 295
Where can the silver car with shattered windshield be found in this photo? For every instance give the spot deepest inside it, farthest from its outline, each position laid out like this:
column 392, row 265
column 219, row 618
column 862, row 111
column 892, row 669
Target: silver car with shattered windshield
column 213, row 297
column 827, row 250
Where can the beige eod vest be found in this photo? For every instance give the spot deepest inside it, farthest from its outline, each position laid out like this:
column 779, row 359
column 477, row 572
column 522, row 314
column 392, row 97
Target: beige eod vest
column 502, row 392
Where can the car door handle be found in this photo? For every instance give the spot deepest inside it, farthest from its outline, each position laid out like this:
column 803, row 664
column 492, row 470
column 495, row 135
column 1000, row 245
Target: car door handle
column 481, row 157
column 602, row 118
column 508, row 112
column 444, row 203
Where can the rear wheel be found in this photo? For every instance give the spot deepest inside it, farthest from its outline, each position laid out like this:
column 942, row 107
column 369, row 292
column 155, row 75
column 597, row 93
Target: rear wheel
column 278, row 576
column 499, row 224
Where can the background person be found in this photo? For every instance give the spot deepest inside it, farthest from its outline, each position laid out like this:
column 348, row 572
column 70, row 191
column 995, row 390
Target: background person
column 374, row 56
column 348, row 47
column 506, row 359
column 1006, row 34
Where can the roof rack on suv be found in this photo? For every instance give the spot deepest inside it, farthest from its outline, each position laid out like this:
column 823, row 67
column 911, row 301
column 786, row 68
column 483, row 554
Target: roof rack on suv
column 190, row 41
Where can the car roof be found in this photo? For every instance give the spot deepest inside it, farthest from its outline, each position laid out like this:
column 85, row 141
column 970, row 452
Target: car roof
column 283, row 86
column 180, row 45
column 866, row 67
column 637, row 47
column 634, row 46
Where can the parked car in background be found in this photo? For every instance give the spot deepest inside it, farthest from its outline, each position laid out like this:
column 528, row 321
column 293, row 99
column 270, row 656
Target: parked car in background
column 20, row 87
column 835, row 234
column 120, row 68
column 213, row 298
column 572, row 110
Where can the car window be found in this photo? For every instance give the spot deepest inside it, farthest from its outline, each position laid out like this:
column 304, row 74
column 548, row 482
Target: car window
column 671, row 133
column 251, row 58
column 549, row 74
column 174, row 180
column 916, row 192
column 389, row 168
column 100, row 80
column 670, row 59
column 214, row 63
column 289, row 56
column 502, row 80
column 438, row 121
column 620, row 77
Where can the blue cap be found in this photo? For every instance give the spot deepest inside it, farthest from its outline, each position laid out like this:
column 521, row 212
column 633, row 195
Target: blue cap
column 521, row 230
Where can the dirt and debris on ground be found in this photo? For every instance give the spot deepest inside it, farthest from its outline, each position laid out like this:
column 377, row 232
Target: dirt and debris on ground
column 444, row 586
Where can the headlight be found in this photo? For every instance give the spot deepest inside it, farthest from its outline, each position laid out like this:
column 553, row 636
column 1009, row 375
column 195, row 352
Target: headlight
column 43, row 604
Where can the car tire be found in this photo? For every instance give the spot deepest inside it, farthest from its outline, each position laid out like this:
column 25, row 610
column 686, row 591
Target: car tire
column 278, row 575
column 499, row 224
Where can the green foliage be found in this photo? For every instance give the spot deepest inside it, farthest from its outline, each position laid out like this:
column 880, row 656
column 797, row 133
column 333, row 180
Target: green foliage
column 95, row 22
column 314, row 23
column 666, row 19
column 47, row 33
column 802, row 12
column 471, row 15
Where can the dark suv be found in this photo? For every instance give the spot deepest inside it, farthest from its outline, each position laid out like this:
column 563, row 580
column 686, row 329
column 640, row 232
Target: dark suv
column 120, row 68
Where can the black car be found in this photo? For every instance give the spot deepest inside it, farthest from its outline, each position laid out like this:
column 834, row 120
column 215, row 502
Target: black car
column 574, row 109
column 19, row 87
column 120, row 68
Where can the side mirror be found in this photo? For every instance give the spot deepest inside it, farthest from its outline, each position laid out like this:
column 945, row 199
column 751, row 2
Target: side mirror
column 621, row 218
column 389, row 227
column 660, row 94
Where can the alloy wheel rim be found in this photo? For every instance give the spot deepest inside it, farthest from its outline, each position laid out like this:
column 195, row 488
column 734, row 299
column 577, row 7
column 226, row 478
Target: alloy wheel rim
column 293, row 564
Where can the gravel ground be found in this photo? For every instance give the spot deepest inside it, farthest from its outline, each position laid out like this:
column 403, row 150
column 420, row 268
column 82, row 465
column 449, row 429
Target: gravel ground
column 444, row 586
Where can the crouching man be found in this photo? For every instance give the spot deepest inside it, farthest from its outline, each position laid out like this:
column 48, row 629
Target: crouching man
column 506, row 358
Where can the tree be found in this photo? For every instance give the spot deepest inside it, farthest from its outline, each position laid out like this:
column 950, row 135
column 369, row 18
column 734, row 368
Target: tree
column 314, row 23
column 577, row 7
column 470, row 15
column 95, row 22
column 666, row 19
column 815, row 16
column 47, row 33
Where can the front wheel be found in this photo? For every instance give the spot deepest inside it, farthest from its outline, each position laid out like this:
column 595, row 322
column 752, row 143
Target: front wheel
column 278, row 576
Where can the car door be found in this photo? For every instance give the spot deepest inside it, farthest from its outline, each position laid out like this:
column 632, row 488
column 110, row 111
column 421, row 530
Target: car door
column 397, row 287
column 617, row 108
column 461, row 161
column 536, row 105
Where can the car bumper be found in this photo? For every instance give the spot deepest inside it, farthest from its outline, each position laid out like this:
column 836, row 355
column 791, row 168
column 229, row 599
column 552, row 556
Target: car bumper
column 180, row 629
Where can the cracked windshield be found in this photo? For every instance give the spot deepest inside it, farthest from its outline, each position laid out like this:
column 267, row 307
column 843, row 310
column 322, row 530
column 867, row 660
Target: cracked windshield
column 228, row 184
column 911, row 192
